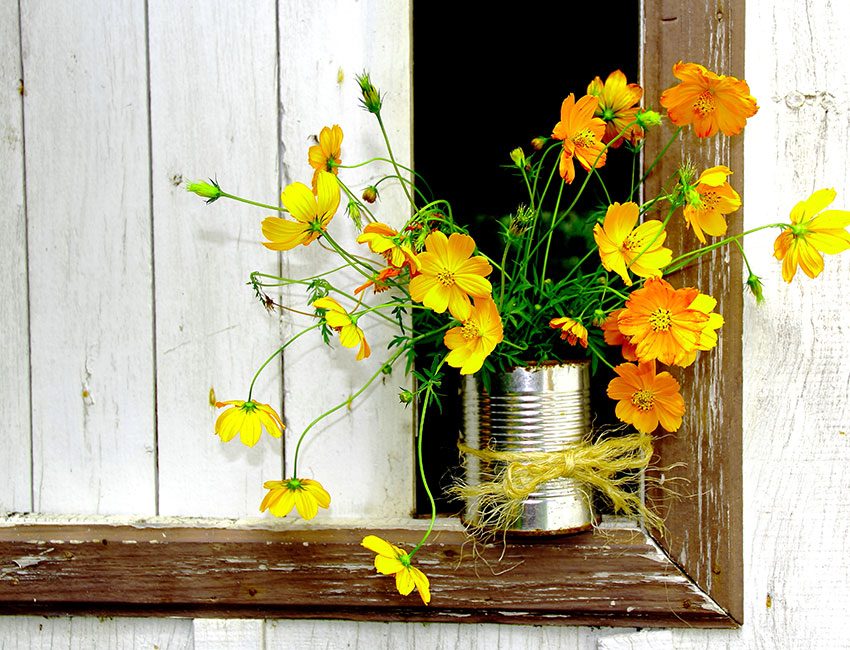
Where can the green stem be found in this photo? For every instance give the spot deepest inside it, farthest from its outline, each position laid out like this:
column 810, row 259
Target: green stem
column 249, row 202
column 392, row 159
column 686, row 258
column 655, row 162
column 276, row 353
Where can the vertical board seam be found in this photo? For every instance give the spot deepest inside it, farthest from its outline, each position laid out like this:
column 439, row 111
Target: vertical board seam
column 25, row 207
column 279, row 163
column 155, row 375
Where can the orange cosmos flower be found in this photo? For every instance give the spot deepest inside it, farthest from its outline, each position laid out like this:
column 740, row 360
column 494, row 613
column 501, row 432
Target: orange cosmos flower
column 386, row 241
column 393, row 560
column 624, row 248
column 617, row 107
column 312, row 213
column 379, row 282
column 304, row 494
column 248, row 420
column 613, row 336
column 812, row 232
column 713, row 198
column 660, row 322
column 478, row 337
column 709, row 101
column 450, row 275
column 349, row 334
column 572, row 331
column 645, row 399
column 582, row 135
column 326, row 155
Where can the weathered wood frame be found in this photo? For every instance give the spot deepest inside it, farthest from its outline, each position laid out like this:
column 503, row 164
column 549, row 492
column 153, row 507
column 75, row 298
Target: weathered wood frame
column 692, row 575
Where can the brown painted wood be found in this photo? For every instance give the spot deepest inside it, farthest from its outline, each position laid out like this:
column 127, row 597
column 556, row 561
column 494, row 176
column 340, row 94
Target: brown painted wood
column 704, row 534
column 613, row 578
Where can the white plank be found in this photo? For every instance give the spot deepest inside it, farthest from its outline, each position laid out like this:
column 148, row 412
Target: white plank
column 89, row 256
column 213, row 113
column 16, row 480
column 229, row 634
column 333, row 635
column 362, row 456
column 643, row 640
column 83, row 633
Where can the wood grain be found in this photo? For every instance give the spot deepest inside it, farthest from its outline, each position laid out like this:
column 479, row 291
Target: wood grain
column 704, row 523
column 615, row 578
column 79, row 633
column 16, row 479
column 213, row 114
column 88, row 215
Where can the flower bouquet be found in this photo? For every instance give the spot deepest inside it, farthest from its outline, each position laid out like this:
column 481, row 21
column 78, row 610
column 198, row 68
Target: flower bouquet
column 455, row 306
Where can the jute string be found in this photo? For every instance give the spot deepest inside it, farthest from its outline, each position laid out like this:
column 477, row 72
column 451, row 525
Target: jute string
column 612, row 466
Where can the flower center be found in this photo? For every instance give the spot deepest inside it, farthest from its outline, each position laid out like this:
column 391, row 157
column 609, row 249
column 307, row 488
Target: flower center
column 470, row 331
column 643, row 399
column 584, row 138
column 704, row 104
column 293, row 485
column 709, row 199
column 660, row 319
column 446, row 278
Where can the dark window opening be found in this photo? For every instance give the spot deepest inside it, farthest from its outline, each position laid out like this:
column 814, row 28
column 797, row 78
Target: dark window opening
column 480, row 92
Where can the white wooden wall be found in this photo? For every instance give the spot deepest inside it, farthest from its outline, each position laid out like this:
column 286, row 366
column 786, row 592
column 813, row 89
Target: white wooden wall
column 123, row 298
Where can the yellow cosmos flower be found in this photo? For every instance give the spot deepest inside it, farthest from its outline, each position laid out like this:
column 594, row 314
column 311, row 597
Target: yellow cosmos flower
column 450, row 275
column 582, row 135
column 393, row 560
column 714, row 199
column 478, row 337
column 384, row 240
column 660, row 322
column 812, row 232
column 624, row 248
column 312, row 213
column 326, row 155
column 248, row 420
column 349, row 334
column 708, row 335
column 572, row 331
column 304, row 494
column 709, row 101
column 617, row 107
column 646, row 399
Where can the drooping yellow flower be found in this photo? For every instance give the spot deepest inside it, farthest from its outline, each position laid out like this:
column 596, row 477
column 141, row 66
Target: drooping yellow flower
column 617, row 107
column 812, row 231
column 582, row 135
column 624, row 248
column 450, row 275
column 477, row 338
column 660, row 322
column 714, row 199
column 646, row 399
column 393, row 560
column 247, row 418
column 350, row 335
column 326, row 155
column 312, row 213
column 386, row 241
column 709, row 101
column 304, row 494
column 572, row 331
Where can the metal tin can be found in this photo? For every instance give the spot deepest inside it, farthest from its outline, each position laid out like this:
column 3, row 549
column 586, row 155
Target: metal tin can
column 541, row 408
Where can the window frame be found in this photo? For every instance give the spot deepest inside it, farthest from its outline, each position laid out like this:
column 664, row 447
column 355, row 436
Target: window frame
column 691, row 575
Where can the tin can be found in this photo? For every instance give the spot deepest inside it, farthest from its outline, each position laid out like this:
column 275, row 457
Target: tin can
column 540, row 408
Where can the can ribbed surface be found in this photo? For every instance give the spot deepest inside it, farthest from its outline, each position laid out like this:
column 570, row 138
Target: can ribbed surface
column 537, row 409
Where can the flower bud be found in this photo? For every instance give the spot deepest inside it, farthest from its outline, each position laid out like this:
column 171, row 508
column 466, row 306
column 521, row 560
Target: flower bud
column 210, row 191
column 370, row 194
column 406, row 396
column 647, row 119
column 538, row 143
column 755, row 286
column 371, row 98
column 353, row 211
column 518, row 157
